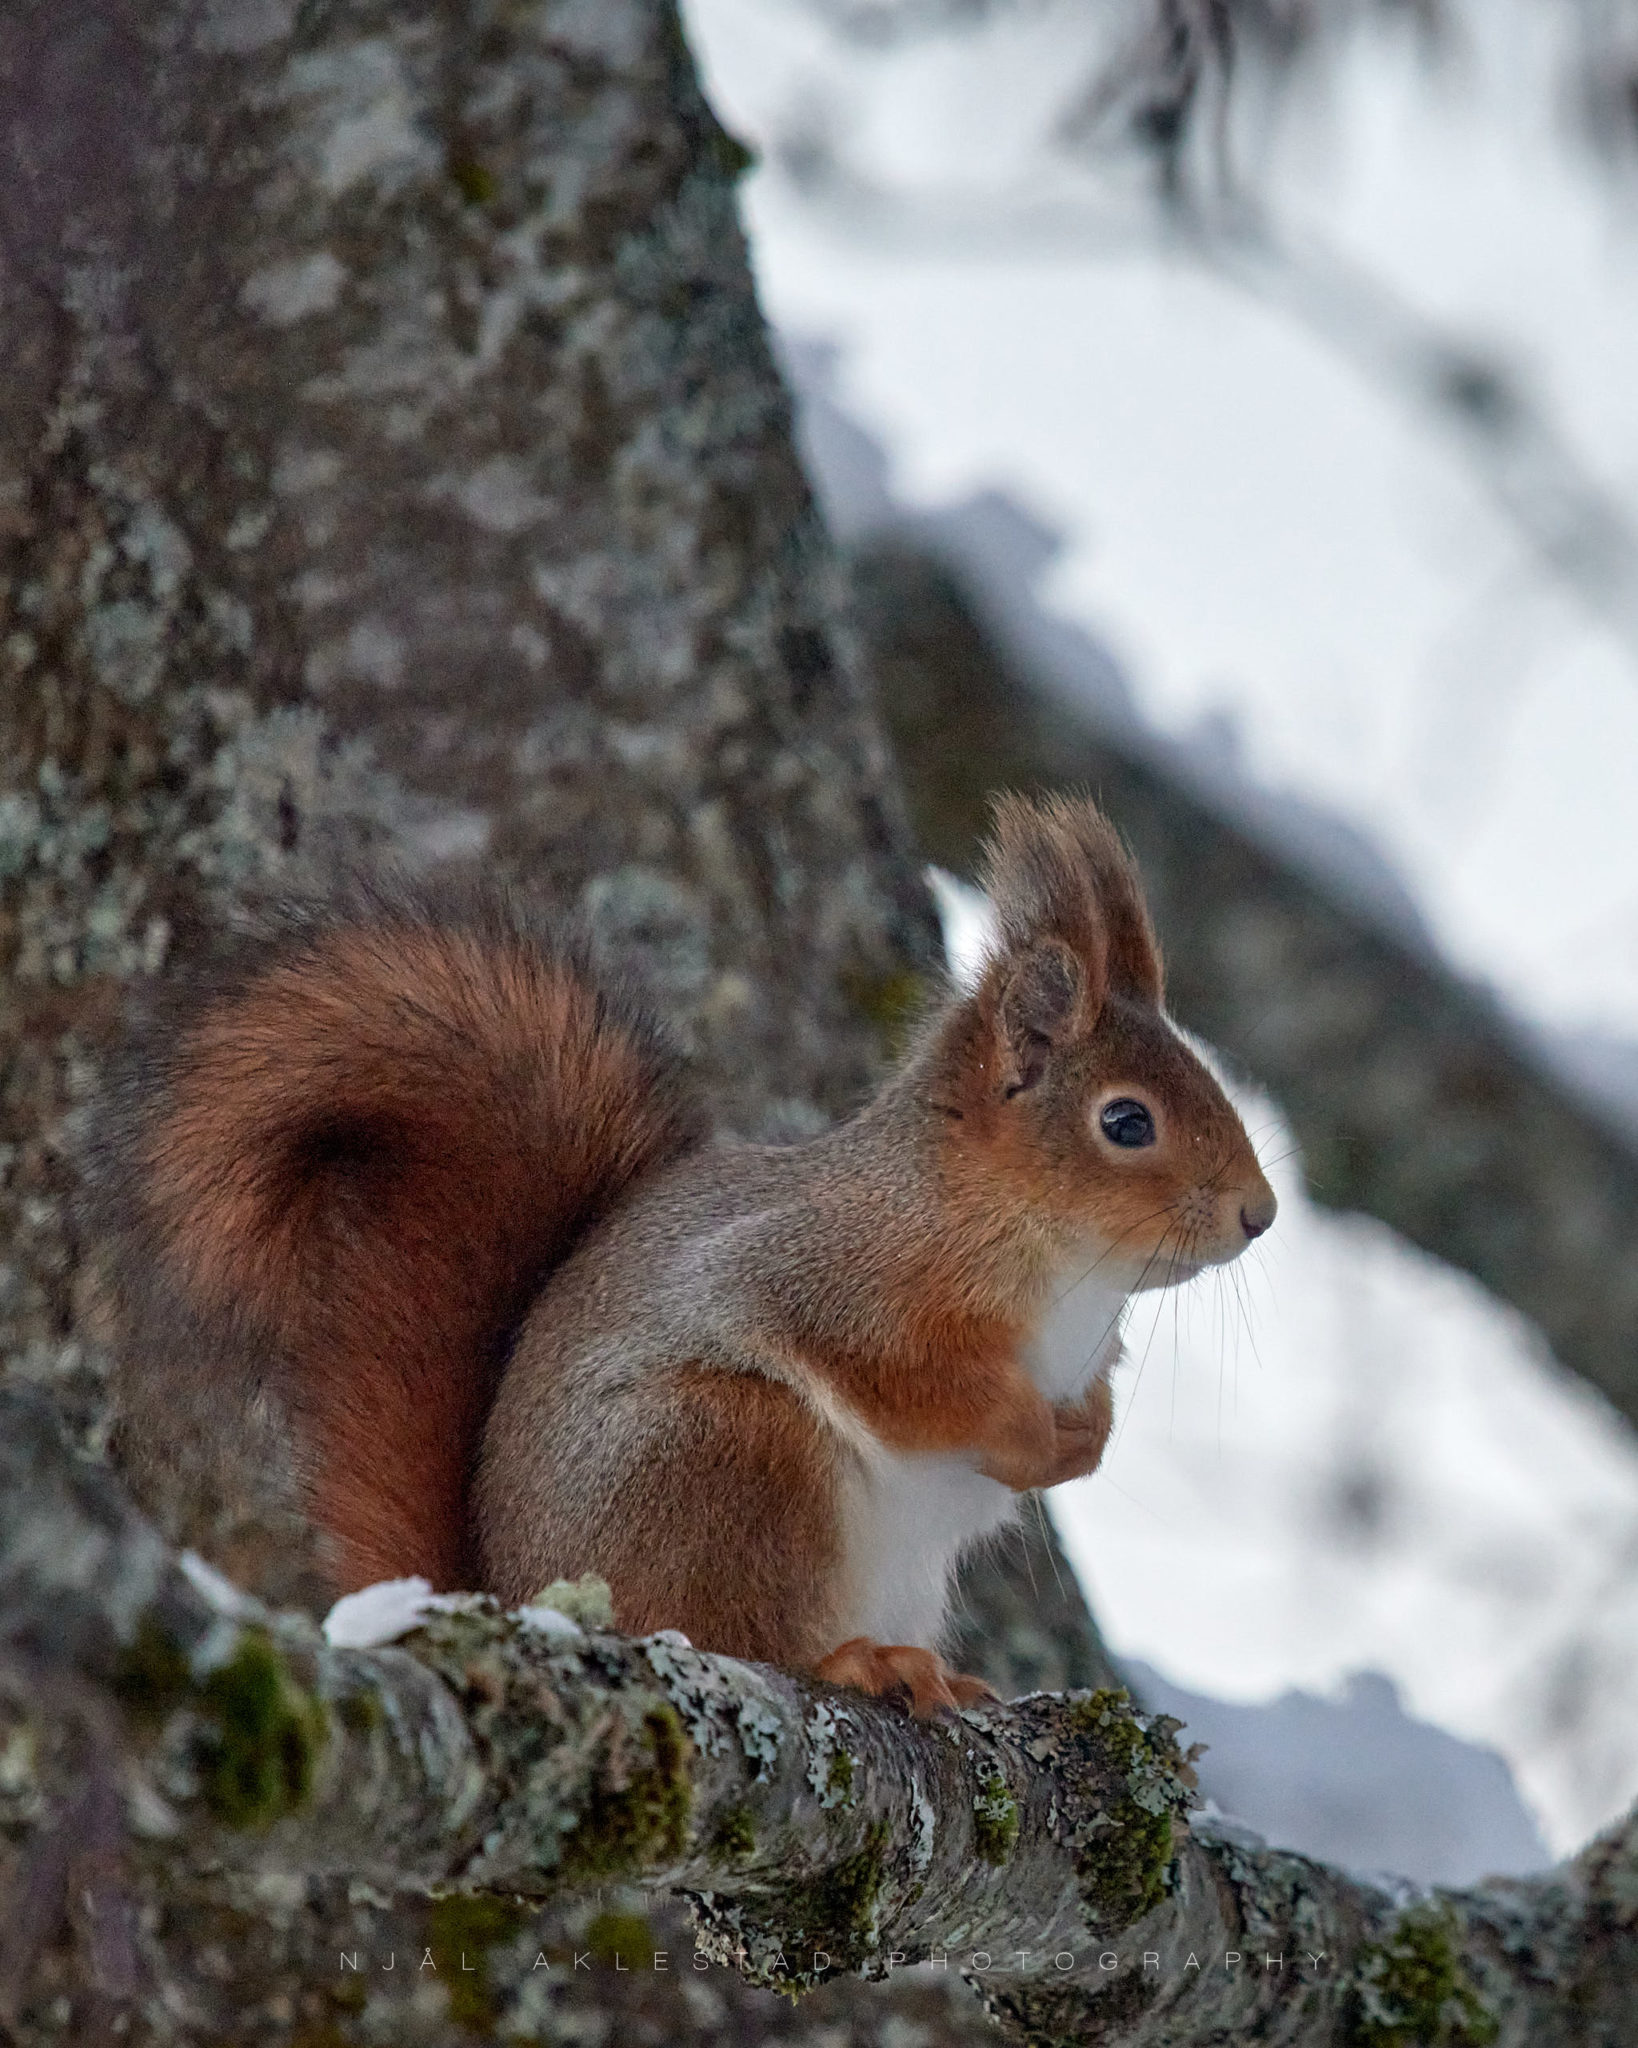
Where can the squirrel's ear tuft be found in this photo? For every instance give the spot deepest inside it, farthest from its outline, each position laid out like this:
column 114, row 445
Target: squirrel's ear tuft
column 1055, row 869
column 1043, row 1001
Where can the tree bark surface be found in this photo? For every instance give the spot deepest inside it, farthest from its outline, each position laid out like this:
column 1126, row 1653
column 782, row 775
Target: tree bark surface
column 1042, row 1851
column 392, row 466
column 392, row 461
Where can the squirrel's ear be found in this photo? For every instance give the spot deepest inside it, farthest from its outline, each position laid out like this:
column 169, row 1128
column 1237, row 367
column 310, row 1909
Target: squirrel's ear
column 1055, row 869
column 1043, row 1000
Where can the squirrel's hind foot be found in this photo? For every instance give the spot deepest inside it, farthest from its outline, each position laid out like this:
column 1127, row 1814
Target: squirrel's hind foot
column 920, row 1680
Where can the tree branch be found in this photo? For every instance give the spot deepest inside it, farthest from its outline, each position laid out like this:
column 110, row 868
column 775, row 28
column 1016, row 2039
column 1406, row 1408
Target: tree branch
column 1578, row 530
column 1041, row 1849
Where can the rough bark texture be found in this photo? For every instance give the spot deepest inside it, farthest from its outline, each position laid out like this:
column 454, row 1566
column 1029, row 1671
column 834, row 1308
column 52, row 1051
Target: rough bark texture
column 1412, row 1096
column 391, row 465
column 1041, row 1851
column 391, row 458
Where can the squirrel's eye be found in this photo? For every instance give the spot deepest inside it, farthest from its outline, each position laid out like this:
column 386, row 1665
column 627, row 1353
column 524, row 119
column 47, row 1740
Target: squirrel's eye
column 1127, row 1123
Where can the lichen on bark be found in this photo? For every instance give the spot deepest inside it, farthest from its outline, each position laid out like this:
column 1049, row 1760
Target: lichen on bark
column 503, row 1764
column 392, row 465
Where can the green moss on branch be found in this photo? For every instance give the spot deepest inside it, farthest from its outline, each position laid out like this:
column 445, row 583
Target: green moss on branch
column 735, row 1837
column 995, row 1820
column 1124, row 1863
column 261, row 1732
column 264, row 1736
column 1411, row 1991
column 639, row 1807
column 462, row 1928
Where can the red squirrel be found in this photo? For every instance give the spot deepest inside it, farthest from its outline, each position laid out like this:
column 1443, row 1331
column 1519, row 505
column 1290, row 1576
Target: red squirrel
column 453, row 1205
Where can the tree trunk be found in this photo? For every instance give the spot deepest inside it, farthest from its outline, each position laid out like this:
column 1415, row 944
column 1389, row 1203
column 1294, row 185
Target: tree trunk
column 391, row 459
column 392, row 465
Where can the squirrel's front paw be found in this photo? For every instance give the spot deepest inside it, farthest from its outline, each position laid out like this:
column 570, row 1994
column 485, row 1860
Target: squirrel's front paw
column 1022, row 1448
column 923, row 1681
column 1081, row 1434
column 1046, row 1446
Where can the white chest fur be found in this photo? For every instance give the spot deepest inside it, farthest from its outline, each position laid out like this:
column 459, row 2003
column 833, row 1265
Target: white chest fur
column 907, row 1518
column 1079, row 1337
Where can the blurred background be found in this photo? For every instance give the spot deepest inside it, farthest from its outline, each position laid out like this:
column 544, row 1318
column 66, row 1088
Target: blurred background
column 1265, row 402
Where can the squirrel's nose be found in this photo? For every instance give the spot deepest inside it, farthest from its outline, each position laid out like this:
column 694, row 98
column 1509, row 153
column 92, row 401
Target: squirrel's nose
column 1258, row 1213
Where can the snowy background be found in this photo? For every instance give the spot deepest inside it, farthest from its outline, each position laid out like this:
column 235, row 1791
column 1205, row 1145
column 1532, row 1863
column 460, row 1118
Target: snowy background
column 1360, row 1462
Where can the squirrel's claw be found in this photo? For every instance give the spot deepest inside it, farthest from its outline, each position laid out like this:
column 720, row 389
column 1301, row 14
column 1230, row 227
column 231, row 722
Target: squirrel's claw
column 918, row 1678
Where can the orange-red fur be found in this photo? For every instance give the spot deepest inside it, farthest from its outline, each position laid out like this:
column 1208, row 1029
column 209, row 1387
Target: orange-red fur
column 372, row 1154
column 416, row 1169
column 945, row 1371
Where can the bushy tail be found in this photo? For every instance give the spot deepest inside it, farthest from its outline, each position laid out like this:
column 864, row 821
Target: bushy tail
column 349, row 1170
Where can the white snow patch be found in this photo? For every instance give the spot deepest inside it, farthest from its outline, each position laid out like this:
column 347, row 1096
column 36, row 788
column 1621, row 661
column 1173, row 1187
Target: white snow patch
column 967, row 920
column 547, row 1621
column 381, row 1613
column 221, row 1592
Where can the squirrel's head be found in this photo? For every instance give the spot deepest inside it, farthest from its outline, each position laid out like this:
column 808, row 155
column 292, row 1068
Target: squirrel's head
column 1091, row 1111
